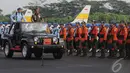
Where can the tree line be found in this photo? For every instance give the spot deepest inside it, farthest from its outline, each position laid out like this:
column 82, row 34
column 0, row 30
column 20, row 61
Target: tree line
column 64, row 11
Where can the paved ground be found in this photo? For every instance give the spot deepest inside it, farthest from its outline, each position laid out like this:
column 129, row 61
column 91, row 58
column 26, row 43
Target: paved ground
column 69, row 64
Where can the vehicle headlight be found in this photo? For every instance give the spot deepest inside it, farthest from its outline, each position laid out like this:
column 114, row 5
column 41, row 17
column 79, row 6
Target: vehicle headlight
column 55, row 40
column 36, row 39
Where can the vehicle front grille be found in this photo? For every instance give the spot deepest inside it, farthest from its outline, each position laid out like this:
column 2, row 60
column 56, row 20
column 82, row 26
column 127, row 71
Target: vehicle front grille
column 40, row 41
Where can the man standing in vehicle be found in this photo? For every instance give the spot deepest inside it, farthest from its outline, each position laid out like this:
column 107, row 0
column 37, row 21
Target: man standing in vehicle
column 37, row 17
column 18, row 16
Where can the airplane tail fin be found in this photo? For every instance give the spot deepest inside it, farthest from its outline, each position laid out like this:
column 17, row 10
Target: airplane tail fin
column 83, row 15
column 28, row 15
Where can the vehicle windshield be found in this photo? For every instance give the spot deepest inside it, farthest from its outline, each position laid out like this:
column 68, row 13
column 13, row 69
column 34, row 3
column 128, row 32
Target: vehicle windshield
column 34, row 27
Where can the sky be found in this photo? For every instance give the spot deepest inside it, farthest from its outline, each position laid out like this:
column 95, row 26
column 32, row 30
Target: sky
column 10, row 5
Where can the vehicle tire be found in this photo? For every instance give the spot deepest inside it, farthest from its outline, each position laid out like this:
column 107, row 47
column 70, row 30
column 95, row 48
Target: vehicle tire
column 38, row 53
column 7, row 51
column 58, row 55
column 26, row 51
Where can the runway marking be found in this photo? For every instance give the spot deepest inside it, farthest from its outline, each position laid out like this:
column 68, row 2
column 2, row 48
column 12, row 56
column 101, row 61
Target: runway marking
column 72, row 66
column 117, row 64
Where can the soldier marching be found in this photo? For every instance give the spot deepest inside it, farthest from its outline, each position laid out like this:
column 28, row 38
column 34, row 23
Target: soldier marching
column 106, row 39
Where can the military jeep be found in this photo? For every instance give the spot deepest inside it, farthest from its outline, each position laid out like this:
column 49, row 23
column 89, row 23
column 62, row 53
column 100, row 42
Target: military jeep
column 29, row 38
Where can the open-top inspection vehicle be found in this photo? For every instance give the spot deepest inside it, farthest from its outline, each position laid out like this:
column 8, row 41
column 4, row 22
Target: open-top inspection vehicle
column 29, row 38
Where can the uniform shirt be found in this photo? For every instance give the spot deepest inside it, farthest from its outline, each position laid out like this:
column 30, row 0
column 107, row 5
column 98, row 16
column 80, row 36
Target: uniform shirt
column 63, row 33
column 36, row 18
column 114, row 33
column 6, row 30
column 70, row 33
column 103, row 32
column 123, row 32
column 56, row 31
column 17, row 17
column 84, row 33
column 2, row 32
column 94, row 32
column 78, row 32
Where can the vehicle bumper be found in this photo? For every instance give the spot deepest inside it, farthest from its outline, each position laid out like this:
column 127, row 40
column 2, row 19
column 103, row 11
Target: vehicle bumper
column 48, row 48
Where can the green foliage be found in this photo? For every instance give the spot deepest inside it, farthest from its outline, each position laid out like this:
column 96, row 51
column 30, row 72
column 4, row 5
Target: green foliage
column 64, row 11
column 107, row 17
column 4, row 19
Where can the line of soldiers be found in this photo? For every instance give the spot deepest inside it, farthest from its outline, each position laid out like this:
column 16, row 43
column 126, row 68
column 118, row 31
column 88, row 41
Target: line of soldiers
column 112, row 38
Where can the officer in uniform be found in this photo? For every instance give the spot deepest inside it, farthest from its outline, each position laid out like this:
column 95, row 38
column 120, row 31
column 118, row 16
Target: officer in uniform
column 102, row 39
column 36, row 17
column 77, row 40
column 84, row 39
column 128, row 43
column 18, row 16
column 69, row 39
column 94, row 34
column 112, row 40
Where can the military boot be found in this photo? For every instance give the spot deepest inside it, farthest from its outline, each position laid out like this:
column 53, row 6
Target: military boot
column 121, row 53
column 114, row 54
column 93, row 53
column 84, row 53
column 110, row 54
column 70, row 52
column 78, row 52
column 102, row 53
